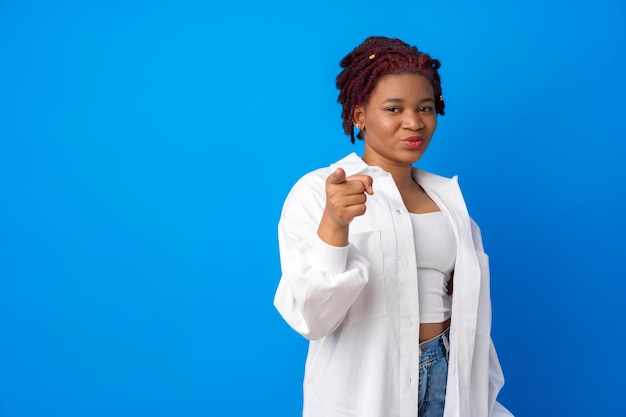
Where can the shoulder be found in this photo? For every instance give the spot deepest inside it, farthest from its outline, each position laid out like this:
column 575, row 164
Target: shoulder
column 308, row 190
column 311, row 187
column 432, row 179
column 316, row 179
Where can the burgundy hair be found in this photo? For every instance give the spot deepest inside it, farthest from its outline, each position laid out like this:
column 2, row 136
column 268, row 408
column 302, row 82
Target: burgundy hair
column 376, row 57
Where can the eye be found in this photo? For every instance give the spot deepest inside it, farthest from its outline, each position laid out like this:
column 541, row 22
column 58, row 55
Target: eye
column 426, row 109
column 393, row 109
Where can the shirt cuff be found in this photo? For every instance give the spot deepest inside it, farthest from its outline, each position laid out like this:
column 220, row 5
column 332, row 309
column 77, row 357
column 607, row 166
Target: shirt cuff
column 328, row 258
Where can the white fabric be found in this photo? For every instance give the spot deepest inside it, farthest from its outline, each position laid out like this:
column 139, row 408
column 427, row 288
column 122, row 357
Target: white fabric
column 435, row 252
column 359, row 305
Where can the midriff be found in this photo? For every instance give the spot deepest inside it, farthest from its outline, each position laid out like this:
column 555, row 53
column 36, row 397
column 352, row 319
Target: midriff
column 430, row 330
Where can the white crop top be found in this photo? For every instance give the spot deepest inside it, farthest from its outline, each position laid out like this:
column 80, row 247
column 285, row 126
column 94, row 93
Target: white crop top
column 435, row 252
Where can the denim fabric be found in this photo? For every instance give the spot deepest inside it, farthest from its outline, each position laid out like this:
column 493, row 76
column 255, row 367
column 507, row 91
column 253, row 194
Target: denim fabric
column 433, row 375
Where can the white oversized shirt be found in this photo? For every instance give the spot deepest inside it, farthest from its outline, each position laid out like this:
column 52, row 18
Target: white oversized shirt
column 359, row 306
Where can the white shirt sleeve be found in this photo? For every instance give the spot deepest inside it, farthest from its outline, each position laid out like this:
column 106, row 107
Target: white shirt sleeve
column 319, row 282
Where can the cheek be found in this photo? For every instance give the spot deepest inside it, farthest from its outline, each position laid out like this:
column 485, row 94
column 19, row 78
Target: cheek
column 385, row 125
column 433, row 124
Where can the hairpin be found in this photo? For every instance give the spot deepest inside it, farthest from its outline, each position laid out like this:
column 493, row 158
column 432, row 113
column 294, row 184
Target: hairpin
column 372, row 56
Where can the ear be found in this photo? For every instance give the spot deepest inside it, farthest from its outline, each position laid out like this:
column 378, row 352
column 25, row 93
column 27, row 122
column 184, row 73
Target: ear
column 358, row 115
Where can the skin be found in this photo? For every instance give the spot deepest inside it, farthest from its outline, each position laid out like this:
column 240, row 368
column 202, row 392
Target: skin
column 401, row 107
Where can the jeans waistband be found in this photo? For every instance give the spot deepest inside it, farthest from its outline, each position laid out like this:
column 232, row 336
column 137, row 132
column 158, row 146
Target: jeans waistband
column 435, row 347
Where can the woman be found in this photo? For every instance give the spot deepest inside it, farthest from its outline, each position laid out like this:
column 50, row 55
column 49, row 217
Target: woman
column 370, row 248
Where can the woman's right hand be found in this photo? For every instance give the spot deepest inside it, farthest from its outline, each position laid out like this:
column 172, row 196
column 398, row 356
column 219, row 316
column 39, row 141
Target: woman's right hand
column 345, row 200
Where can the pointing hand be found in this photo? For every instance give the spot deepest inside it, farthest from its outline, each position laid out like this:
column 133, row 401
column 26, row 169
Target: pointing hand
column 346, row 196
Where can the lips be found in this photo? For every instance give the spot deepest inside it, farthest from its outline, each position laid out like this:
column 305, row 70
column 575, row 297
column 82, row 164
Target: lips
column 413, row 142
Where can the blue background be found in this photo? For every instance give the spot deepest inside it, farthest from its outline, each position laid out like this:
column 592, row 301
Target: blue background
column 146, row 149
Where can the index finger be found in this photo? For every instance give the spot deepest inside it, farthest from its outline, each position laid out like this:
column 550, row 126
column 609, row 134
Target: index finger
column 337, row 177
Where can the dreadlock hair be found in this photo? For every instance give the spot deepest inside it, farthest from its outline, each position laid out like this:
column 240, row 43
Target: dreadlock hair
column 376, row 57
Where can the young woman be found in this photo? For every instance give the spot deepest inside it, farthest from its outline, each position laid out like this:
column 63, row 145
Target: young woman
column 383, row 269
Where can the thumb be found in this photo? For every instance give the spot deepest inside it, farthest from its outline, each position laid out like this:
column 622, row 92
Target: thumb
column 337, row 177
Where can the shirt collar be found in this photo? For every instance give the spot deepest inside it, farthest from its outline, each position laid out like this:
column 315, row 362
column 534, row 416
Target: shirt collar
column 353, row 164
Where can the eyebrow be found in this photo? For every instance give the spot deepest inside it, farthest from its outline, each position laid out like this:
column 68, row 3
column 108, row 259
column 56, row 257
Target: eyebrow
column 400, row 100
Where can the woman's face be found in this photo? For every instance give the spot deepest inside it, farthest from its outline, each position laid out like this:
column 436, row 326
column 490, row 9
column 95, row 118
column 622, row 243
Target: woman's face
column 399, row 119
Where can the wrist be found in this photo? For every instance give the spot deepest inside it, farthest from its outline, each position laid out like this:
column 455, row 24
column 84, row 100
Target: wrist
column 333, row 233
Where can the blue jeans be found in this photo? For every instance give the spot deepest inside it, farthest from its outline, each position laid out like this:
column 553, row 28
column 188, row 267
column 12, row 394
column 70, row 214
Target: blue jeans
column 433, row 375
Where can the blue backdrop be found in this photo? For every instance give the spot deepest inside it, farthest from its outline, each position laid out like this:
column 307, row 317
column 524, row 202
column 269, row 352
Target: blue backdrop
column 146, row 149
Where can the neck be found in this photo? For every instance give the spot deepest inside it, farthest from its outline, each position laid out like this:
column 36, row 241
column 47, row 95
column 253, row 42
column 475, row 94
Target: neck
column 404, row 181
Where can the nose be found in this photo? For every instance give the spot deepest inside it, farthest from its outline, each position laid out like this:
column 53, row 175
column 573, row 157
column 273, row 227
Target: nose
column 413, row 121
